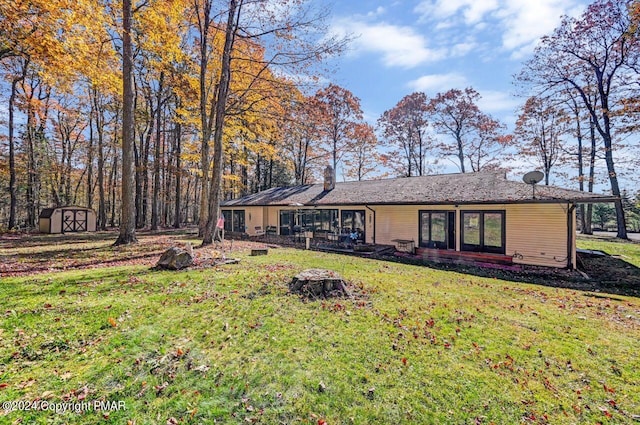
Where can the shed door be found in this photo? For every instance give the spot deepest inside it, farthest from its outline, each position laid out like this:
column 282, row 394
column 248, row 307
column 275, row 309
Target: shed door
column 74, row 221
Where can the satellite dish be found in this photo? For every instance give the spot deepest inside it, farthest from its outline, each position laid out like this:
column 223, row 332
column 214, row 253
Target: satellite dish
column 533, row 177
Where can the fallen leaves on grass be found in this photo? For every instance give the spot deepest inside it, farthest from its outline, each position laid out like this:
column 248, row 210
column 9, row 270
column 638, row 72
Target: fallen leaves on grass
column 33, row 254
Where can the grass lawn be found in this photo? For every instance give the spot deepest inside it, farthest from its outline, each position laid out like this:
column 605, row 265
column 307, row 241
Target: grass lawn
column 230, row 345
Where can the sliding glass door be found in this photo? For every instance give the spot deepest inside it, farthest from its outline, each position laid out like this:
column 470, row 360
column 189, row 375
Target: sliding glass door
column 438, row 229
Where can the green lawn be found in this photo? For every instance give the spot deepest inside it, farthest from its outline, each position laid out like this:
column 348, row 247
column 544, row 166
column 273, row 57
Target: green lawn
column 229, row 345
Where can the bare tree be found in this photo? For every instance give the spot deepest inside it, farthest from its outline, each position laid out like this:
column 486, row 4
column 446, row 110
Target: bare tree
column 540, row 126
column 405, row 130
column 592, row 52
column 455, row 113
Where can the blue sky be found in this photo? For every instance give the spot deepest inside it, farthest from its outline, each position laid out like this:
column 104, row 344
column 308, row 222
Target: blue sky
column 434, row 45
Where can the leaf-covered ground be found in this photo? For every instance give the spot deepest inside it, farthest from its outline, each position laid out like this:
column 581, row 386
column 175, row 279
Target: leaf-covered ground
column 25, row 254
column 230, row 345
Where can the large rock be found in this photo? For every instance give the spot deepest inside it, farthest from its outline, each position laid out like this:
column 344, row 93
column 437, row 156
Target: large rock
column 175, row 258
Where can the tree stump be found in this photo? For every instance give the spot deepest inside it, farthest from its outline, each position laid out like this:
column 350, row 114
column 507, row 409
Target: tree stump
column 319, row 283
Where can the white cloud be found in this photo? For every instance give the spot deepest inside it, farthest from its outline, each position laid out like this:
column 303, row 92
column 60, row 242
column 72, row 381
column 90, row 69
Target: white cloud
column 526, row 21
column 399, row 46
column 520, row 22
column 497, row 101
column 461, row 49
column 436, row 83
column 473, row 11
column 378, row 12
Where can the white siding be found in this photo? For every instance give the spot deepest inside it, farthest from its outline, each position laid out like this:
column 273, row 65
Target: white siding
column 537, row 234
column 253, row 218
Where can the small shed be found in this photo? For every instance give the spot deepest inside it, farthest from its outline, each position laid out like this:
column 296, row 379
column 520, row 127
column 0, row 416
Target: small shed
column 67, row 219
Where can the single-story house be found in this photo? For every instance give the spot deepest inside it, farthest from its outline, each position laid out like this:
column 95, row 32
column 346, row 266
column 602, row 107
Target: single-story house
column 481, row 215
column 67, row 219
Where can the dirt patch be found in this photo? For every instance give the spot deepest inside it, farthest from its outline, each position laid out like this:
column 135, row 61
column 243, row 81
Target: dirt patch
column 606, row 274
column 612, row 274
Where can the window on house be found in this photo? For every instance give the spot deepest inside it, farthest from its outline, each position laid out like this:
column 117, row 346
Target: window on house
column 316, row 220
column 354, row 221
column 437, row 229
column 483, row 231
column 234, row 220
column 287, row 221
column 319, row 220
column 238, row 221
column 228, row 220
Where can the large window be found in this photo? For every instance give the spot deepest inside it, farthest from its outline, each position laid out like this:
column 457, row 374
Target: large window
column 316, row 220
column 353, row 222
column 287, row 221
column 234, row 220
column 238, row 221
column 437, row 229
column 319, row 221
column 228, row 220
column 483, row 231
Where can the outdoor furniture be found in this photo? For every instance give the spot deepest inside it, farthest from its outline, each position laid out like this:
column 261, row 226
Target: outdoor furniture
column 271, row 230
column 405, row 245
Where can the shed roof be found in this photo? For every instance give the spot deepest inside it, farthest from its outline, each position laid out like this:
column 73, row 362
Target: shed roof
column 460, row 188
column 46, row 212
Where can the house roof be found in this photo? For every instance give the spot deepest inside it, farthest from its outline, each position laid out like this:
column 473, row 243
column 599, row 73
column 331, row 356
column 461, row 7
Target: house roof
column 461, row 188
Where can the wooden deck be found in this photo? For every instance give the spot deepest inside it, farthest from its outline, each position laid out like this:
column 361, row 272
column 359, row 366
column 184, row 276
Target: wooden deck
column 466, row 257
column 358, row 250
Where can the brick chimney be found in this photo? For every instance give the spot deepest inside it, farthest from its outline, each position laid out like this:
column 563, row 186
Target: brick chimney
column 329, row 178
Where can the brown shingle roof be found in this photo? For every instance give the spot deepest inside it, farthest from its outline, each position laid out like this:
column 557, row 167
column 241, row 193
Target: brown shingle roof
column 468, row 188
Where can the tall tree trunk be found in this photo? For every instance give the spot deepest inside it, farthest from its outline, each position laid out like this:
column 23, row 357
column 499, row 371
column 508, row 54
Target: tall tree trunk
column 89, row 200
column 145, row 175
column 583, row 218
column 13, row 192
column 156, row 162
column 178, row 136
column 613, row 176
column 187, row 199
column 220, row 112
column 461, row 153
column 204, row 25
column 99, row 119
column 138, row 181
column 592, row 175
column 166, row 172
column 113, row 177
column 128, row 214
column 31, row 167
column 69, row 165
column 197, row 192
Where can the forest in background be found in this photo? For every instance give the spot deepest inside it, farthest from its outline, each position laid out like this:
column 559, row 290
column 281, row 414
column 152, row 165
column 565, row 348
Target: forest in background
column 189, row 102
